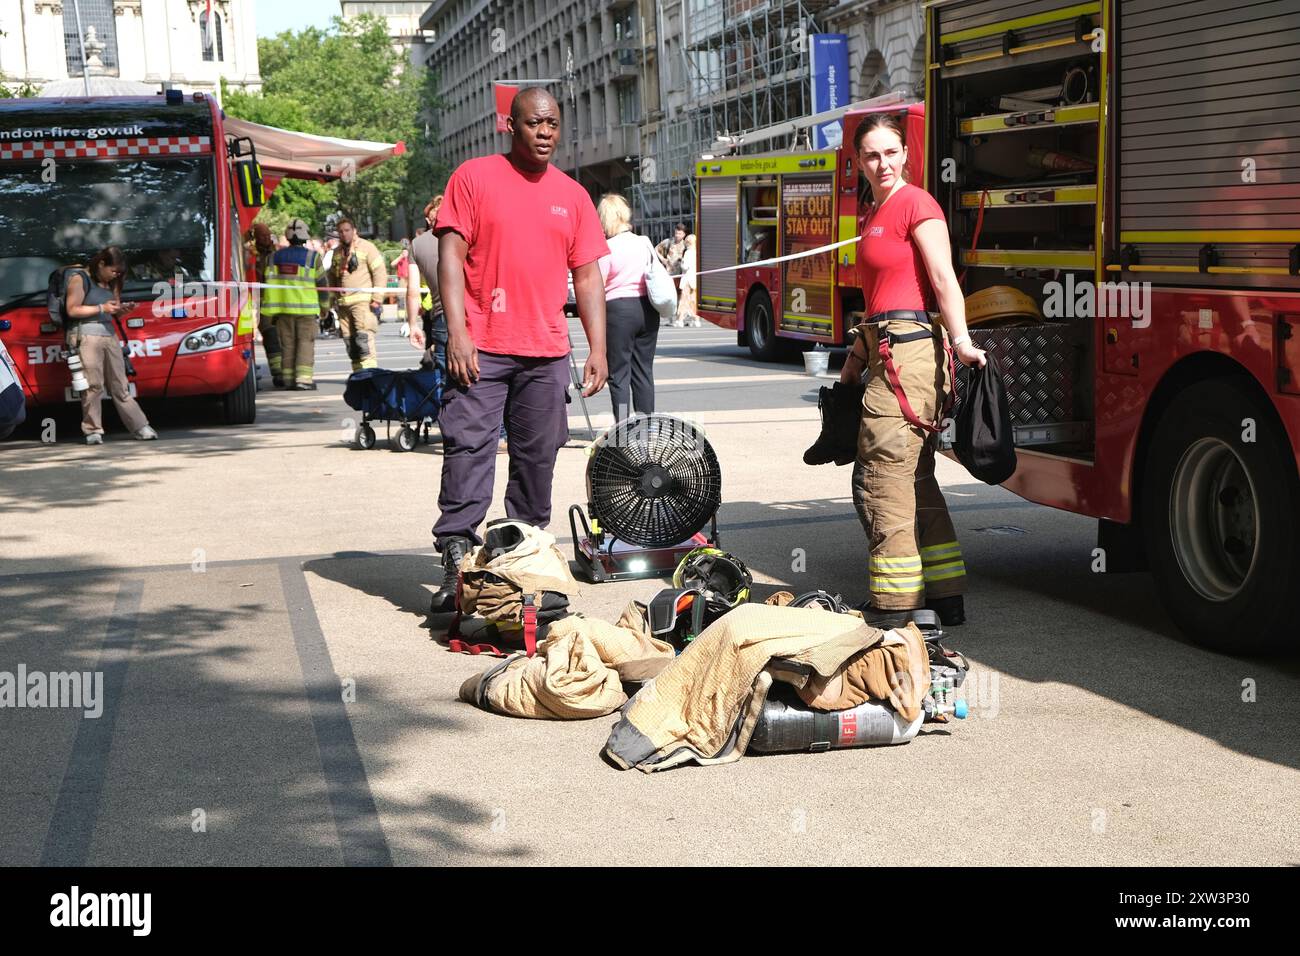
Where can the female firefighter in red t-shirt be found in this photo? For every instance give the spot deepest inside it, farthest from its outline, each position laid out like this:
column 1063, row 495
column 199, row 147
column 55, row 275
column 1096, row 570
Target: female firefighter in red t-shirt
column 906, row 270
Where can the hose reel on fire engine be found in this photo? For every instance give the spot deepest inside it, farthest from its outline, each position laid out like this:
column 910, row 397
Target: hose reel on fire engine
column 653, row 486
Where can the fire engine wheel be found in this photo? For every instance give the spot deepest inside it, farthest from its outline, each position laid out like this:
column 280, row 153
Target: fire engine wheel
column 239, row 406
column 1222, row 522
column 760, row 328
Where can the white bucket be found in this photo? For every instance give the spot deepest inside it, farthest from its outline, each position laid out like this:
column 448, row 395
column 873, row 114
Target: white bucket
column 816, row 361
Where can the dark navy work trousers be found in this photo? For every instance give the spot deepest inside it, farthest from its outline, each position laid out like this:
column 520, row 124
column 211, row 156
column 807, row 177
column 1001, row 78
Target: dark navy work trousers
column 529, row 395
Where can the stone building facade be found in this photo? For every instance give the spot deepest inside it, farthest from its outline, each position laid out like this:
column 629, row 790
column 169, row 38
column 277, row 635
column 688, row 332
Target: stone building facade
column 190, row 44
column 886, row 45
column 472, row 43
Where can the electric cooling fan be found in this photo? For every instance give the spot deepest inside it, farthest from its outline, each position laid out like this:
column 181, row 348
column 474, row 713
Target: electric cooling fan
column 653, row 486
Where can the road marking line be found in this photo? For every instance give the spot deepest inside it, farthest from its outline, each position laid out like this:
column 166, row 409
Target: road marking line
column 356, row 819
column 576, row 425
column 722, row 381
column 76, row 811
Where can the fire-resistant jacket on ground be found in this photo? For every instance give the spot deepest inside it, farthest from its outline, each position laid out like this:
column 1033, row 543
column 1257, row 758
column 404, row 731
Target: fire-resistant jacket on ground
column 703, row 706
column 578, row 670
column 493, row 586
column 895, row 672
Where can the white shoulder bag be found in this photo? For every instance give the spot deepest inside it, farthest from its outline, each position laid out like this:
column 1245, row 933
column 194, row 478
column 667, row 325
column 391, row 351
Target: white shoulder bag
column 659, row 286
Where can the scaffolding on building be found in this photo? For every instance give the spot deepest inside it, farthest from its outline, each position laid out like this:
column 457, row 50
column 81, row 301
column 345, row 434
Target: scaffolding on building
column 746, row 63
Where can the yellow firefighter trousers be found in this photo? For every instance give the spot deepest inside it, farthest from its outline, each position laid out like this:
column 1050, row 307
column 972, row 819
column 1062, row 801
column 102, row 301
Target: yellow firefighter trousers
column 357, row 325
column 297, row 348
column 914, row 549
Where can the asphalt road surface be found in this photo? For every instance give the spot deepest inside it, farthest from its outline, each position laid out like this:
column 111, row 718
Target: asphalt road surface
column 254, row 600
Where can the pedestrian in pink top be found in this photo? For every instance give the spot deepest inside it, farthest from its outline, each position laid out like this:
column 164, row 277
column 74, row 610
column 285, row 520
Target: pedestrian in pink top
column 631, row 322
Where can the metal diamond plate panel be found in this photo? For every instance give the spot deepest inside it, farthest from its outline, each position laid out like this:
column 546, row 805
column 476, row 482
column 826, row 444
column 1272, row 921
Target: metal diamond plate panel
column 1039, row 365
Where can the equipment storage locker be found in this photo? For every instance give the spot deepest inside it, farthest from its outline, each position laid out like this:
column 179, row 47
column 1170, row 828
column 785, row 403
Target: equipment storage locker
column 1015, row 104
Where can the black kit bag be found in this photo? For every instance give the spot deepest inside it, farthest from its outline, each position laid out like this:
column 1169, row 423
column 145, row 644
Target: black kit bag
column 984, row 442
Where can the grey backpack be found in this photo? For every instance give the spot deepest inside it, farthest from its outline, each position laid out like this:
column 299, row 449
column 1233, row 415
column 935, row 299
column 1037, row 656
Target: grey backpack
column 56, row 291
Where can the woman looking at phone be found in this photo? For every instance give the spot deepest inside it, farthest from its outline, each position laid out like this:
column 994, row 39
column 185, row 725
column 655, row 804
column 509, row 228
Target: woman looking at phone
column 93, row 300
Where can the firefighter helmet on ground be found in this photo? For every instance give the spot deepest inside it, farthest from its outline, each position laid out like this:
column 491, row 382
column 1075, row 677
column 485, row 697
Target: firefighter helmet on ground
column 719, row 575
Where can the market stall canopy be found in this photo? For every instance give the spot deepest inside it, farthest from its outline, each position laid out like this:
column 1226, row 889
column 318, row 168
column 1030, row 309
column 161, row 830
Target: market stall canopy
column 283, row 152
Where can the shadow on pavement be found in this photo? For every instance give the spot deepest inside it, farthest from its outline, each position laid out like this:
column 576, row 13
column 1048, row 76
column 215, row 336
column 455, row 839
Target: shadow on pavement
column 185, row 427
column 73, row 478
column 405, row 581
column 207, row 708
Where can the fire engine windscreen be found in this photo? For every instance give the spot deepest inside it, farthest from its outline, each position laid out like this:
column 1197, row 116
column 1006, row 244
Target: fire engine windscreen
column 161, row 212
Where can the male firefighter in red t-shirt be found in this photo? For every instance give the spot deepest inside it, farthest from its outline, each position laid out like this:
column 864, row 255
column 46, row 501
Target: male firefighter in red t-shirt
column 510, row 229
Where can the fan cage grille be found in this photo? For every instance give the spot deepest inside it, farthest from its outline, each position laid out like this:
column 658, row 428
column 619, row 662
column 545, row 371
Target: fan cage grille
column 684, row 507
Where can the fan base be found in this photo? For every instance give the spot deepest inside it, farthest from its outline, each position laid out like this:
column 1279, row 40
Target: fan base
column 599, row 565
column 600, row 558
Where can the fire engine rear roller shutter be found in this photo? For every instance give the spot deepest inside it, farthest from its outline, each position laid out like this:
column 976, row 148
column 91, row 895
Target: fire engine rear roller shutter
column 1199, row 93
column 960, row 17
column 716, row 243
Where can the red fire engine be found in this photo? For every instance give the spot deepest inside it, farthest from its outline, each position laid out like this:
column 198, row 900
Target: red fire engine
column 1120, row 178
column 759, row 207
column 173, row 182
column 1131, row 167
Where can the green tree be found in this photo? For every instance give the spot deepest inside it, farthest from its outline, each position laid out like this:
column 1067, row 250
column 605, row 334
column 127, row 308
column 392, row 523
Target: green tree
column 312, row 202
column 304, row 199
column 350, row 82
column 426, row 167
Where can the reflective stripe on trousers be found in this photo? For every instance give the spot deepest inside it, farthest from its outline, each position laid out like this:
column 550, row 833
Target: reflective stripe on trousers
column 896, row 575
column 943, row 562
column 270, row 343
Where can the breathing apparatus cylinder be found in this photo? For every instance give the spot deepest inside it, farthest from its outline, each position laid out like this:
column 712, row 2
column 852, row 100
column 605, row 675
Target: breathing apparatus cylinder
column 787, row 728
column 787, row 725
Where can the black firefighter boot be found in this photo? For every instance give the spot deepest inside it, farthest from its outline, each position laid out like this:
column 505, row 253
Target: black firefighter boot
column 951, row 610
column 882, row 618
column 454, row 550
column 841, row 411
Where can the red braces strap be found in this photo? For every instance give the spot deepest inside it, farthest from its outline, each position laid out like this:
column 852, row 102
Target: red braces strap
column 895, row 383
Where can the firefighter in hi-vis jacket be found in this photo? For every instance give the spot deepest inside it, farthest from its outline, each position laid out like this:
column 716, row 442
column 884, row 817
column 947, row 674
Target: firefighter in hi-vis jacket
column 292, row 300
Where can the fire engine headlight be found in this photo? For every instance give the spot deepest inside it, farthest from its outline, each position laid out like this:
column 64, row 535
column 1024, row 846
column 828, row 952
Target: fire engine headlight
column 209, row 339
